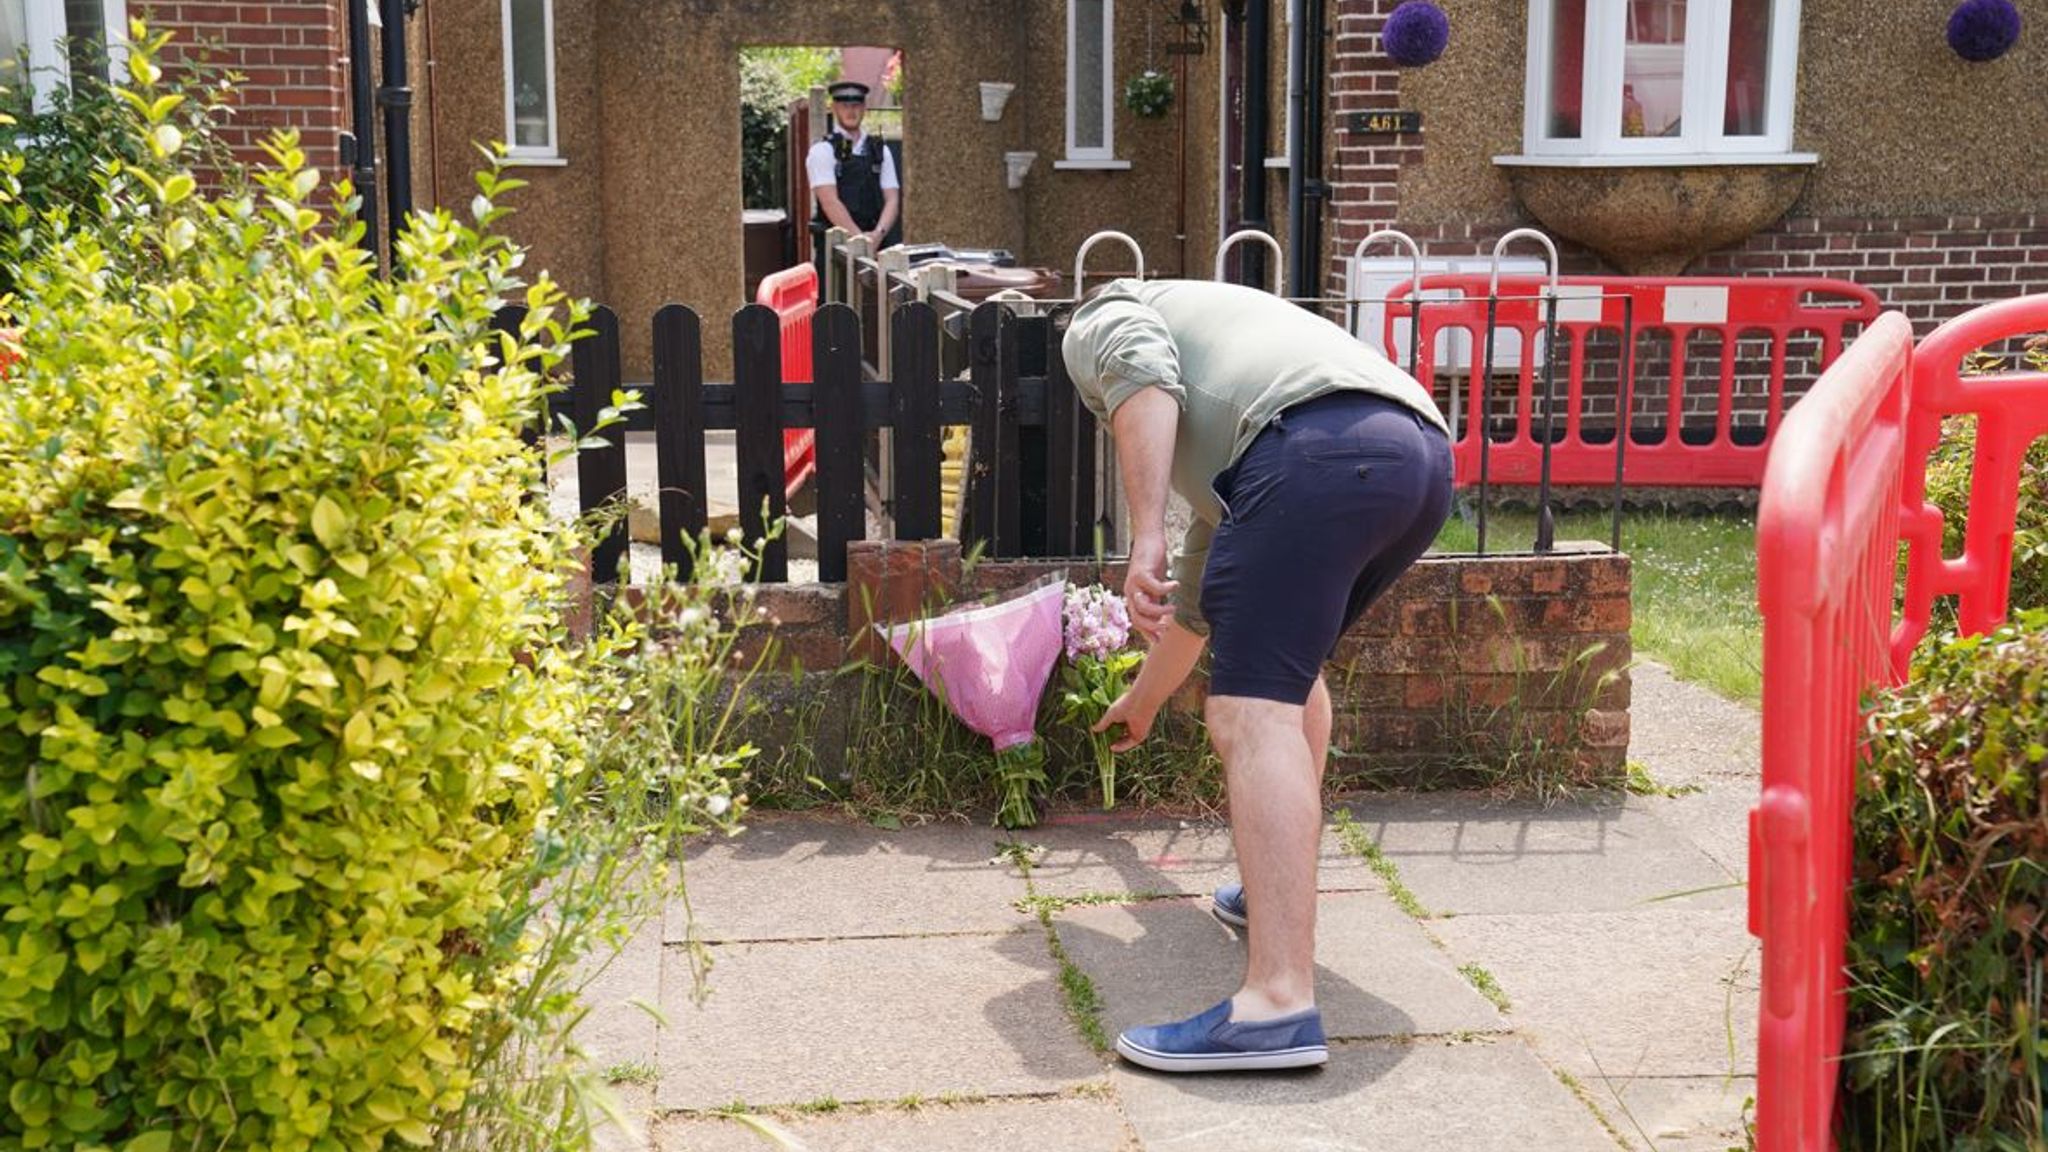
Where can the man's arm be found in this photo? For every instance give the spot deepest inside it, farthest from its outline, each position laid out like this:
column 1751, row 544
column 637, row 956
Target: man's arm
column 1145, row 426
column 890, row 198
column 1166, row 665
column 834, row 210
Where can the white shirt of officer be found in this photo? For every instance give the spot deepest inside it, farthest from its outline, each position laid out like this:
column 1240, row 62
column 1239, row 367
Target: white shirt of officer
column 823, row 165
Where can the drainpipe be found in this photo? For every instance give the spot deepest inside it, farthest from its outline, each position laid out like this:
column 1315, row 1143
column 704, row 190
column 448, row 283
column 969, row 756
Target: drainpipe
column 1304, row 152
column 359, row 146
column 1258, row 43
column 1309, row 266
column 396, row 98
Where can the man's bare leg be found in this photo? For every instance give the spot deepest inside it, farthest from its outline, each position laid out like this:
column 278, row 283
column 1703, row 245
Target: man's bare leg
column 1276, row 824
column 1315, row 728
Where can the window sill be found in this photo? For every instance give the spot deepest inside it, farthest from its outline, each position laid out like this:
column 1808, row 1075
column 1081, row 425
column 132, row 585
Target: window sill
column 1657, row 160
column 536, row 162
column 1092, row 165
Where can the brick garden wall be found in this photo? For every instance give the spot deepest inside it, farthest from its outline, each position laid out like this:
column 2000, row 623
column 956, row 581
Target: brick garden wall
column 1466, row 670
column 293, row 56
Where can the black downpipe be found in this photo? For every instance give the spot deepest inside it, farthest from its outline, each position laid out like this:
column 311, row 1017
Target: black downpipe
column 359, row 148
column 1258, row 45
column 1314, row 188
column 1305, row 153
column 396, row 98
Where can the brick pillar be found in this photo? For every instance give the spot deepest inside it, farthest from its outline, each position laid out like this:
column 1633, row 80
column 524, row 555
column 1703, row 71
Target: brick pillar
column 895, row 582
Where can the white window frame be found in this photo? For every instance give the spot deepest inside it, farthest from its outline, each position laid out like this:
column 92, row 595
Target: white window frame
column 530, row 153
column 1105, row 154
column 1701, row 140
column 43, row 25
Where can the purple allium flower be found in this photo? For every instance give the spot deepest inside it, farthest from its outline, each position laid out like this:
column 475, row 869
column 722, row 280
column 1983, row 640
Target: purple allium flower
column 1981, row 30
column 1416, row 33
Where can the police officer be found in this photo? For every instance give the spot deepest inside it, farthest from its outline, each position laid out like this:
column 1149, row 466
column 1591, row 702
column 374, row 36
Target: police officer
column 853, row 175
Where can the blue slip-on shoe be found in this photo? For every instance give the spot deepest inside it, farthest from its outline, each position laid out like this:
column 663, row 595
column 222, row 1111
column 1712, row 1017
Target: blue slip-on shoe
column 1228, row 905
column 1211, row 1042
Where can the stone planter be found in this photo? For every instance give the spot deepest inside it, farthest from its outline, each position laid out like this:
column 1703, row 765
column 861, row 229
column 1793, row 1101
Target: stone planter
column 1653, row 221
column 994, row 94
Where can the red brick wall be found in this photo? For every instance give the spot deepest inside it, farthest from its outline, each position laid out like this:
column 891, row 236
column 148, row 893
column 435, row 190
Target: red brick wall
column 1466, row 667
column 292, row 54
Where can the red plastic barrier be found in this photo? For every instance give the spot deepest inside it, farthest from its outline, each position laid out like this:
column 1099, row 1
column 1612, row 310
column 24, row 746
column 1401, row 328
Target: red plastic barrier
column 1827, row 554
column 1731, row 308
column 1846, row 483
column 793, row 293
column 2012, row 412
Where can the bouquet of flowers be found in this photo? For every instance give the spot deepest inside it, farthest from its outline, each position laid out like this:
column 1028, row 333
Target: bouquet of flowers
column 1099, row 667
column 990, row 664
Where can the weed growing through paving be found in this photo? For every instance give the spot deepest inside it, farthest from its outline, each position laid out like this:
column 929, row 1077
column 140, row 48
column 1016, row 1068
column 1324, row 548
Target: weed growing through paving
column 1572, row 1085
column 1084, row 1003
column 636, row 1072
column 1360, row 843
column 1641, row 783
column 1477, row 976
column 1053, row 905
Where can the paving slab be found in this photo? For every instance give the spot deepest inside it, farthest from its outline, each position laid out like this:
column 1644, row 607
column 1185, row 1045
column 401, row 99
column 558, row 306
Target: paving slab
column 880, row 1019
column 1057, row 1125
column 1683, row 1114
column 633, row 1129
column 807, row 877
column 1463, row 853
column 1377, row 973
column 1693, row 740
column 1187, row 857
column 622, row 997
column 1623, row 994
column 1487, row 1096
column 1714, row 819
column 1686, row 733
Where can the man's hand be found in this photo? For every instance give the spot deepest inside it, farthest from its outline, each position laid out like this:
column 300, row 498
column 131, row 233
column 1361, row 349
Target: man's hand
column 1135, row 714
column 1147, row 592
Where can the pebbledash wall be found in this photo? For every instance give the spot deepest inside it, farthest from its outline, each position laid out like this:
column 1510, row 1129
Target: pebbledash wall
column 1931, row 185
column 1466, row 670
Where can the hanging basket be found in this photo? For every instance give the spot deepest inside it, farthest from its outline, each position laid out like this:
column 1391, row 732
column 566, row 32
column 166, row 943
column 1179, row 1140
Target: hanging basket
column 1149, row 94
column 1982, row 30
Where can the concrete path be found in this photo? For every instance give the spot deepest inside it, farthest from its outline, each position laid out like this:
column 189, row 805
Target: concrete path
column 1511, row 977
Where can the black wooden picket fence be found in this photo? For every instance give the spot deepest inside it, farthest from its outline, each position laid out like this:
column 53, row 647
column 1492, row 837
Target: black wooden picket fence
column 1031, row 468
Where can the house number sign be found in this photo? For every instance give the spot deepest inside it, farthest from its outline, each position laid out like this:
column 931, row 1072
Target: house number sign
column 1389, row 123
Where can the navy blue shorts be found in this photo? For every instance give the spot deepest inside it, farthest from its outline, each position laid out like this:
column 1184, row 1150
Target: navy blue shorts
column 1333, row 500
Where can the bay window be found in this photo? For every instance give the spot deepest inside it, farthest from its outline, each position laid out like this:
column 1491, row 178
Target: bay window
column 1660, row 81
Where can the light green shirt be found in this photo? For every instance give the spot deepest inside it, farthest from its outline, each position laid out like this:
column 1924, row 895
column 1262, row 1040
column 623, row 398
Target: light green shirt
column 1233, row 358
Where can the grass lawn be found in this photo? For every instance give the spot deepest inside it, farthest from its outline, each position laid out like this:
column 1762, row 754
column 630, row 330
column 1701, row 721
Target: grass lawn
column 1695, row 585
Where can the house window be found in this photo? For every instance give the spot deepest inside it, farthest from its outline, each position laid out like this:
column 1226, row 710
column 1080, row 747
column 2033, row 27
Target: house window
column 530, row 79
column 60, row 38
column 1648, row 81
column 1091, row 106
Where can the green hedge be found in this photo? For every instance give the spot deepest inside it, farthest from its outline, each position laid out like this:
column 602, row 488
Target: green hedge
column 282, row 693
column 1948, row 933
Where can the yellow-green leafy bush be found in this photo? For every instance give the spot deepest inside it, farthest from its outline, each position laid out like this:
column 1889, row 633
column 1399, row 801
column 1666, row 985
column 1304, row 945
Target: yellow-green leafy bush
column 283, row 698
